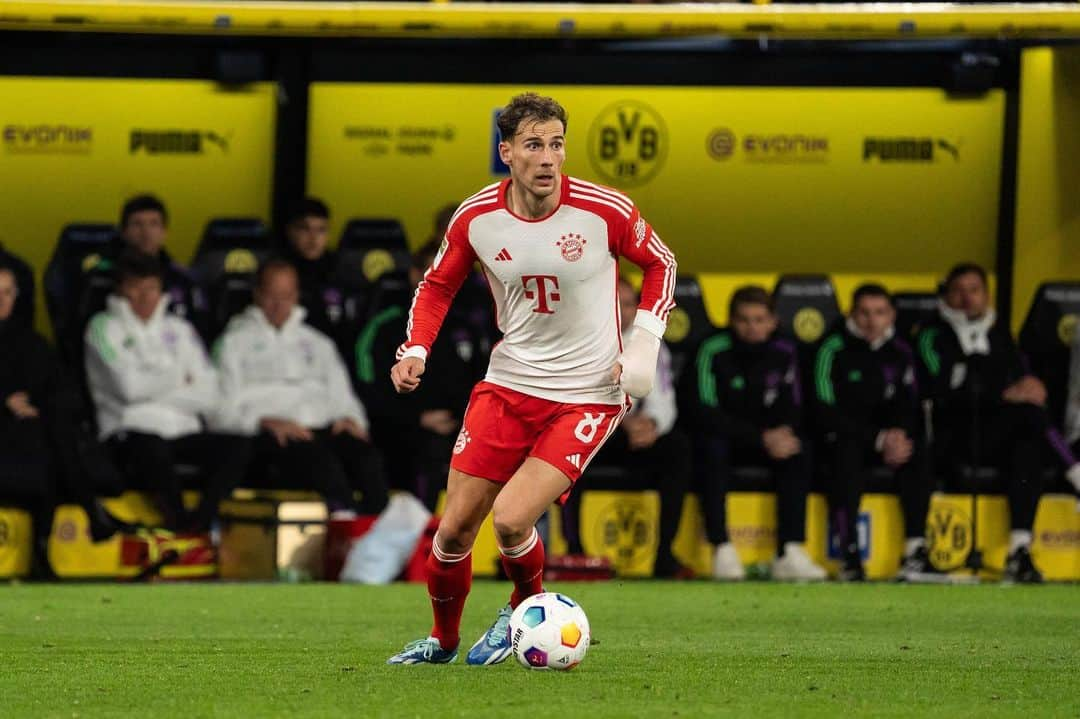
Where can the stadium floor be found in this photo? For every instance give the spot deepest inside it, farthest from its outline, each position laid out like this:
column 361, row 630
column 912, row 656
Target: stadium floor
column 662, row 649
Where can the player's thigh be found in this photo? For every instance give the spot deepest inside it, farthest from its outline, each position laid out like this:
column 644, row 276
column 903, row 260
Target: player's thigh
column 468, row 501
column 533, row 488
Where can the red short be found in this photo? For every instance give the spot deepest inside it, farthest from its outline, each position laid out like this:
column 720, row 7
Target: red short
column 503, row 427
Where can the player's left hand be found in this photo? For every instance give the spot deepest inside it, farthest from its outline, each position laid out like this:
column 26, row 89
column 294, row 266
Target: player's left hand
column 348, row 425
column 616, row 373
column 1028, row 390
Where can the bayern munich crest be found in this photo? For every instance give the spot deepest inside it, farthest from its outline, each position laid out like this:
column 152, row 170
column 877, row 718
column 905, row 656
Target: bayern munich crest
column 463, row 440
column 572, row 246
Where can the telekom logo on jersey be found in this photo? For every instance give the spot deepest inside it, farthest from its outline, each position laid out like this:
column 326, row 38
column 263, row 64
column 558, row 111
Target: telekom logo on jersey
column 543, row 291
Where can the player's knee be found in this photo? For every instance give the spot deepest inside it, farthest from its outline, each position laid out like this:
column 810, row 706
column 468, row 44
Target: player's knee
column 455, row 538
column 512, row 528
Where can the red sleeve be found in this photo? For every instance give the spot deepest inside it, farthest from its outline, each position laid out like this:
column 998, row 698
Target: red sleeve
column 435, row 292
column 637, row 241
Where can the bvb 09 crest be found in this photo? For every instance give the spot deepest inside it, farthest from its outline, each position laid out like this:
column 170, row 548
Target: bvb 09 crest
column 628, row 143
column 948, row 531
column 624, row 532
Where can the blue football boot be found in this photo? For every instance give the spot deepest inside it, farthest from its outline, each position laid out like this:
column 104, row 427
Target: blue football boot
column 494, row 646
column 423, row 651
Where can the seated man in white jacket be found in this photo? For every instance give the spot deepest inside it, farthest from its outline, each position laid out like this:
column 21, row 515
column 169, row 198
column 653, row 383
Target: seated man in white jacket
column 153, row 387
column 284, row 382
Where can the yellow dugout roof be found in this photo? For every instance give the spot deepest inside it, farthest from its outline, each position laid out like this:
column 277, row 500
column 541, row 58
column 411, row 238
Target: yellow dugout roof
column 1051, row 21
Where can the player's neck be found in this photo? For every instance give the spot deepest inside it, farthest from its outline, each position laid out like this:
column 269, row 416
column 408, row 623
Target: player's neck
column 530, row 206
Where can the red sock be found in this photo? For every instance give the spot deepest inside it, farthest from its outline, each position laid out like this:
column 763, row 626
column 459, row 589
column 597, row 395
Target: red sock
column 524, row 564
column 449, row 581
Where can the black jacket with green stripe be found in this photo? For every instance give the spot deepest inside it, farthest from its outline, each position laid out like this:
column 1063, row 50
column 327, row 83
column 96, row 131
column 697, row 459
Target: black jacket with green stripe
column 738, row 390
column 955, row 381
column 456, row 363
column 860, row 391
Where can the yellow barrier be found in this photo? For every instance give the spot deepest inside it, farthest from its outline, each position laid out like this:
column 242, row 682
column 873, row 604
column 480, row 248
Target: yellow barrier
column 16, row 542
column 415, row 19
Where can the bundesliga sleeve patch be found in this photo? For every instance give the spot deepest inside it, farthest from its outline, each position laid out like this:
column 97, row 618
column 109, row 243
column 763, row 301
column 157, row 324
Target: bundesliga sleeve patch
column 639, row 231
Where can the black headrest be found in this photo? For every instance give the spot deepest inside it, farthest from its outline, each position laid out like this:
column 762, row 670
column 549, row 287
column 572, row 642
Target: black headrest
column 806, row 306
column 913, row 311
column 96, row 235
column 228, row 233
column 365, row 234
column 1052, row 319
column 392, row 288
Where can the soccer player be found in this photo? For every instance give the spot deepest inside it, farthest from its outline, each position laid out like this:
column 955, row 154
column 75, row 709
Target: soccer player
column 987, row 407
column 556, row 385
column 868, row 415
column 745, row 408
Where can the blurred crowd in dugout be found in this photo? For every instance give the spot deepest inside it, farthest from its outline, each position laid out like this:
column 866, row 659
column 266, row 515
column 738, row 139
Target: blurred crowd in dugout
column 264, row 364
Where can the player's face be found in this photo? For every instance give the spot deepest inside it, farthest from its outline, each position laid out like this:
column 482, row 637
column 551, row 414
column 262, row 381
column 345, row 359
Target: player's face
column 277, row 296
column 308, row 237
column 627, row 305
column 145, row 231
column 8, row 292
column 535, row 155
column 753, row 323
column 968, row 293
column 873, row 316
column 143, row 294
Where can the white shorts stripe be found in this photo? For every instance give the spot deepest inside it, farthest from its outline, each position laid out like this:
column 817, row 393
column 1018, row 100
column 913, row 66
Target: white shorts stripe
column 611, row 428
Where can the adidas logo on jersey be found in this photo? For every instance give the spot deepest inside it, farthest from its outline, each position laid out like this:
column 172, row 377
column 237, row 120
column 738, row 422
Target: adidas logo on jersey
column 503, row 256
column 574, row 459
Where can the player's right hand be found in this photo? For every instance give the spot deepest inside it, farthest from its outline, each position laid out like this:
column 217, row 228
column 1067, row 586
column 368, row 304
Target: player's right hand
column 406, row 374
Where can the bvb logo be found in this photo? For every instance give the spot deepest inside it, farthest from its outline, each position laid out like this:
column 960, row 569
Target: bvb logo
column 948, row 531
column 625, row 533
column 628, row 143
column 808, row 324
column 90, row 261
column 377, row 263
column 1066, row 329
column 240, row 262
column 678, row 325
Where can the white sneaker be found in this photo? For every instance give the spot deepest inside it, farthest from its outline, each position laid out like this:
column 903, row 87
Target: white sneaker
column 796, row 565
column 726, row 564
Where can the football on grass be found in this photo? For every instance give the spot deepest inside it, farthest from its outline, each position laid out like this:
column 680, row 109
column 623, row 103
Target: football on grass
column 549, row 631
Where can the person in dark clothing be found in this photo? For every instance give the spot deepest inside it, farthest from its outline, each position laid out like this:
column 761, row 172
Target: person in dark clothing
column 743, row 402
column 144, row 223
column 650, row 450
column 307, row 233
column 416, row 431
column 24, row 281
column 40, row 462
column 987, row 408
column 868, row 415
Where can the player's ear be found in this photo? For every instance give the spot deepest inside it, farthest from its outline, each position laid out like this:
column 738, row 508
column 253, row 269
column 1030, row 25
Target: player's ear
column 504, row 152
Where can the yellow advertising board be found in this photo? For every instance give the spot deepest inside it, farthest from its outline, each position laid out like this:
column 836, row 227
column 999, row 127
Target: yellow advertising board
column 74, row 149
column 734, row 179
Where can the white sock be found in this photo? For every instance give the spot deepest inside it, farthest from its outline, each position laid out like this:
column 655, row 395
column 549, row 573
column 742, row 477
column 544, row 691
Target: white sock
column 1019, row 538
column 1073, row 475
column 788, row 546
column 912, row 545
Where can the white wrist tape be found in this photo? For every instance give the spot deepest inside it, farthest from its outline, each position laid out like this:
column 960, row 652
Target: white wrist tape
column 638, row 362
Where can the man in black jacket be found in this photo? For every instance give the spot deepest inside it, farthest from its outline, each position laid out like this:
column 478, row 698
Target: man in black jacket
column 40, row 463
column 24, row 280
column 743, row 404
column 868, row 414
column 416, row 431
column 988, row 409
column 307, row 235
column 144, row 225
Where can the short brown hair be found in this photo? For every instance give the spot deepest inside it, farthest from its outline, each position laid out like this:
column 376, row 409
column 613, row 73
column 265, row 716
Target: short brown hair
column 528, row 105
column 751, row 295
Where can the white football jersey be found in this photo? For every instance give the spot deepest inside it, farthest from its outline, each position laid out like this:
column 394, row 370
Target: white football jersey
column 554, row 283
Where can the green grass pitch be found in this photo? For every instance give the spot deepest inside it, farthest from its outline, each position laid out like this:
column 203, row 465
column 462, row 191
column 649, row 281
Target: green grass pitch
column 663, row 650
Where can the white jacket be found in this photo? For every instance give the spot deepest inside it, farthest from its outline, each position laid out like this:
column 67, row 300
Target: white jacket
column 659, row 405
column 152, row 376
column 294, row 373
